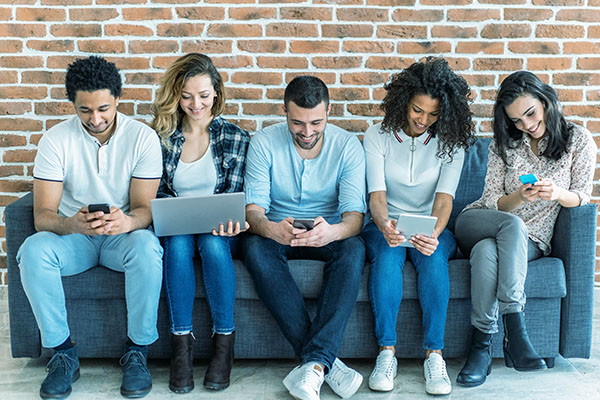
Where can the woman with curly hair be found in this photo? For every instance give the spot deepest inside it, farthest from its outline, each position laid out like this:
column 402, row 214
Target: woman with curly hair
column 512, row 223
column 202, row 154
column 414, row 160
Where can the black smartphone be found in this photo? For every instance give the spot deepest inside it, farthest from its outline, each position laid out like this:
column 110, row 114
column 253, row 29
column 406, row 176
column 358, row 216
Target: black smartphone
column 104, row 207
column 307, row 224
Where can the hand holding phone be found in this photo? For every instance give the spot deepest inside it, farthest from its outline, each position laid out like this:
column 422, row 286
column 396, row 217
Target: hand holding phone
column 307, row 224
column 529, row 178
column 104, row 207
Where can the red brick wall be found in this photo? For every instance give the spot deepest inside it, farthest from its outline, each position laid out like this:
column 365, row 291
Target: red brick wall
column 259, row 45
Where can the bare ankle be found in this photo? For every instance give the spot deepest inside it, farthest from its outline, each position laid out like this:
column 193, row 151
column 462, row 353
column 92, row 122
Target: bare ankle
column 392, row 348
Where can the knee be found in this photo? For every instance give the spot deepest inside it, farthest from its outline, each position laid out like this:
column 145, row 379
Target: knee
column 514, row 224
column 144, row 244
column 38, row 246
column 255, row 251
column 351, row 254
column 213, row 245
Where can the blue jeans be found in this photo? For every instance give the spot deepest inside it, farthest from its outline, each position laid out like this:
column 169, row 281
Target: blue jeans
column 385, row 285
column 317, row 340
column 45, row 257
column 217, row 271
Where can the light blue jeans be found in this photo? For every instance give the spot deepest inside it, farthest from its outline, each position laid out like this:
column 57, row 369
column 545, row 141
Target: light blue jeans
column 45, row 257
column 385, row 285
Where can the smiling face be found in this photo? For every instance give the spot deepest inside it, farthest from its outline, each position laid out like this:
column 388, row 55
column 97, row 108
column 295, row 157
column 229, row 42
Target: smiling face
column 97, row 112
column 423, row 111
column 197, row 98
column 307, row 125
column 527, row 113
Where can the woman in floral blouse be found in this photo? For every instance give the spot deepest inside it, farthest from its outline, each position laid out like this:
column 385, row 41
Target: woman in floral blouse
column 513, row 222
column 202, row 154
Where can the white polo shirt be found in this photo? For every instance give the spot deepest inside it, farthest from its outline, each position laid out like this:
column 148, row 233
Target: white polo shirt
column 95, row 173
column 408, row 170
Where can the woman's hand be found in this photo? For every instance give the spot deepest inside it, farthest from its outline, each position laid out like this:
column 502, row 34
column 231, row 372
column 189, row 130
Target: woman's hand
column 231, row 229
column 425, row 244
column 392, row 236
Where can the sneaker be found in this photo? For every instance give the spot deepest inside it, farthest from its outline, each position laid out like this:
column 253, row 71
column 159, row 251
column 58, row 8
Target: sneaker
column 436, row 377
column 136, row 377
column 343, row 380
column 304, row 382
column 386, row 368
column 63, row 370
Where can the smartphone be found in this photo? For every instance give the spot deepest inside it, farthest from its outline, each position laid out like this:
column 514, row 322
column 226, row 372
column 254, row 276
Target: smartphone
column 529, row 178
column 307, row 224
column 104, row 207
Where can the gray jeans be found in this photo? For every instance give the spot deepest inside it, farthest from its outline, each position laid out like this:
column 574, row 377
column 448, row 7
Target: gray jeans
column 498, row 248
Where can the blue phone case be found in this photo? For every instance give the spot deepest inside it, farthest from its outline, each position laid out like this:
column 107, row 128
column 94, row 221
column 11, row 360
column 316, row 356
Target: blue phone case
column 529, row 178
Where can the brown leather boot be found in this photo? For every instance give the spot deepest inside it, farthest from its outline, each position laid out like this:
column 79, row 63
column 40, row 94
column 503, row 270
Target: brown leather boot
column 219, row 369
column 181, row 379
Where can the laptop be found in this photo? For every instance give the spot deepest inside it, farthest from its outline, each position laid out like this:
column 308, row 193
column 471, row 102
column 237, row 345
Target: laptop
column 413, row 224
column 196, row 214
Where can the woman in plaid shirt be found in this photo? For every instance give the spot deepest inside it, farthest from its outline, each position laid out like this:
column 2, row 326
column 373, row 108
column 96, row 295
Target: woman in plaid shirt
column 202, row 154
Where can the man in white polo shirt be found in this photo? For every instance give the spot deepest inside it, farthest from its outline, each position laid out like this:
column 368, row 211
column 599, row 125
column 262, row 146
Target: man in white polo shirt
column 97, row 156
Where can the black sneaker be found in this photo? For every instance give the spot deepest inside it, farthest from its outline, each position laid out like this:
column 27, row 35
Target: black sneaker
column 63, row 370
column 136, row 377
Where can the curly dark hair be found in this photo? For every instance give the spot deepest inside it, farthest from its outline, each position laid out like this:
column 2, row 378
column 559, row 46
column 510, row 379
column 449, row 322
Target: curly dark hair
column 91, row 74
column 434, row 78
column 507, row 135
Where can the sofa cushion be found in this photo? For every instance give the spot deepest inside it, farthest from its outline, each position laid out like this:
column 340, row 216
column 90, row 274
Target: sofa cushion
column 545, row 279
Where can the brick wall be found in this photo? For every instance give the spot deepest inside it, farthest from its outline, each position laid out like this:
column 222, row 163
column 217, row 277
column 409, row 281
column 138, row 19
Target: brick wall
column 260, row 45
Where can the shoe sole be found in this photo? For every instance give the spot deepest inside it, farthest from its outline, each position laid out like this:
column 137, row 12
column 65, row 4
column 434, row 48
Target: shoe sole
column 216, row 386
column 181, row 389
column 135, row 394
column 64, row 395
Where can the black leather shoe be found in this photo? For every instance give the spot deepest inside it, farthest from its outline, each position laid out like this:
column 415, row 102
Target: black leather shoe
column 518, row 350
column 219, row 369
column 479, row 362
column 181, row 378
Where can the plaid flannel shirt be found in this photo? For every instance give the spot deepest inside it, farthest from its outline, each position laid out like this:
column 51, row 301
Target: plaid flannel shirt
column 229, row 144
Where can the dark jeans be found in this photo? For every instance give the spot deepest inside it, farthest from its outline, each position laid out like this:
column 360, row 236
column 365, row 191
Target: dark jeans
column 317, row 340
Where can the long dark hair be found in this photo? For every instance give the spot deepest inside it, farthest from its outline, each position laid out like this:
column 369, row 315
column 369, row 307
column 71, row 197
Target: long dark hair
column 432, row 77
column 506, row 134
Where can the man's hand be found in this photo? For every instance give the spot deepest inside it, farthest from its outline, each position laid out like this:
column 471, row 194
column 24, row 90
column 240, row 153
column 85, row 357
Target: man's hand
column 426, row 245
column 118, row 222
column 322, row 234
column 392, row 236
column 282, row 232
column 89, row 223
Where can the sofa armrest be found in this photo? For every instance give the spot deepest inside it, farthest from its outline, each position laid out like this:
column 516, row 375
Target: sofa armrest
column 574, row 242
column 24, row 333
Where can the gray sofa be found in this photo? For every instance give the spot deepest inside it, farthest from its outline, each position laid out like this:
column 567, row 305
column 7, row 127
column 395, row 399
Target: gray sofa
column 559, row 297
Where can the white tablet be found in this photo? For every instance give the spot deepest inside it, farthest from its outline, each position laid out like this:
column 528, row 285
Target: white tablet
column 196, row 214
column 413, row 224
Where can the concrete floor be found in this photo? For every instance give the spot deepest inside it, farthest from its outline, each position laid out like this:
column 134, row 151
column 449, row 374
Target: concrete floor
column 100, row 379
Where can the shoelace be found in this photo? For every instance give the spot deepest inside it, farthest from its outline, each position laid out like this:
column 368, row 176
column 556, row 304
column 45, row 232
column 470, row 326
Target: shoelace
column 336, row 375
column 386, row 364
column 312, row 377
column 61, row 360
column 134, row 358
column 437, row 369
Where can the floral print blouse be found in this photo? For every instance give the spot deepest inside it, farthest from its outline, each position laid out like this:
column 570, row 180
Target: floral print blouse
column 573, row 171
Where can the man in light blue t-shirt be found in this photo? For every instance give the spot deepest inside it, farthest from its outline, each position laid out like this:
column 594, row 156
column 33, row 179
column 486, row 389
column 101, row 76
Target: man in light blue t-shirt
column 305, row 169
column 96, row 156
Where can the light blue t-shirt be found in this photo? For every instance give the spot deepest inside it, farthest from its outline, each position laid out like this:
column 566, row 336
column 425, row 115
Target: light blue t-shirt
column 285, row 185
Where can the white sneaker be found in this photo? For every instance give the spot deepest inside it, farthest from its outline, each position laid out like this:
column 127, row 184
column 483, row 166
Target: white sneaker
column 386, row 368
column 343, row 380
column 304, row 382
column 436, row 377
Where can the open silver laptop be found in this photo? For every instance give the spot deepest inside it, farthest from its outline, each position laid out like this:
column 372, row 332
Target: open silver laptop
column 196, row 214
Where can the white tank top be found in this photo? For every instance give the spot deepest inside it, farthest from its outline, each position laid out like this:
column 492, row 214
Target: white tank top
column 197, row 178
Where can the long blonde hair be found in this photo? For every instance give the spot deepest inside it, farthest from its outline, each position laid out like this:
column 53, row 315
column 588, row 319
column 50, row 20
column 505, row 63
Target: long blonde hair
column 167, row 112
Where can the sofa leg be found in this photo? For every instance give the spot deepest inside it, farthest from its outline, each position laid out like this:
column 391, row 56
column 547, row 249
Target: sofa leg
column 549, row 362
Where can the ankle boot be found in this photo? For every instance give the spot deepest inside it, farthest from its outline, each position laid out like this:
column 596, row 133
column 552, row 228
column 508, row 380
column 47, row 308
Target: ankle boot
column 219, row 369
column 518, row 351
column 479, row 362
column 181, row 379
